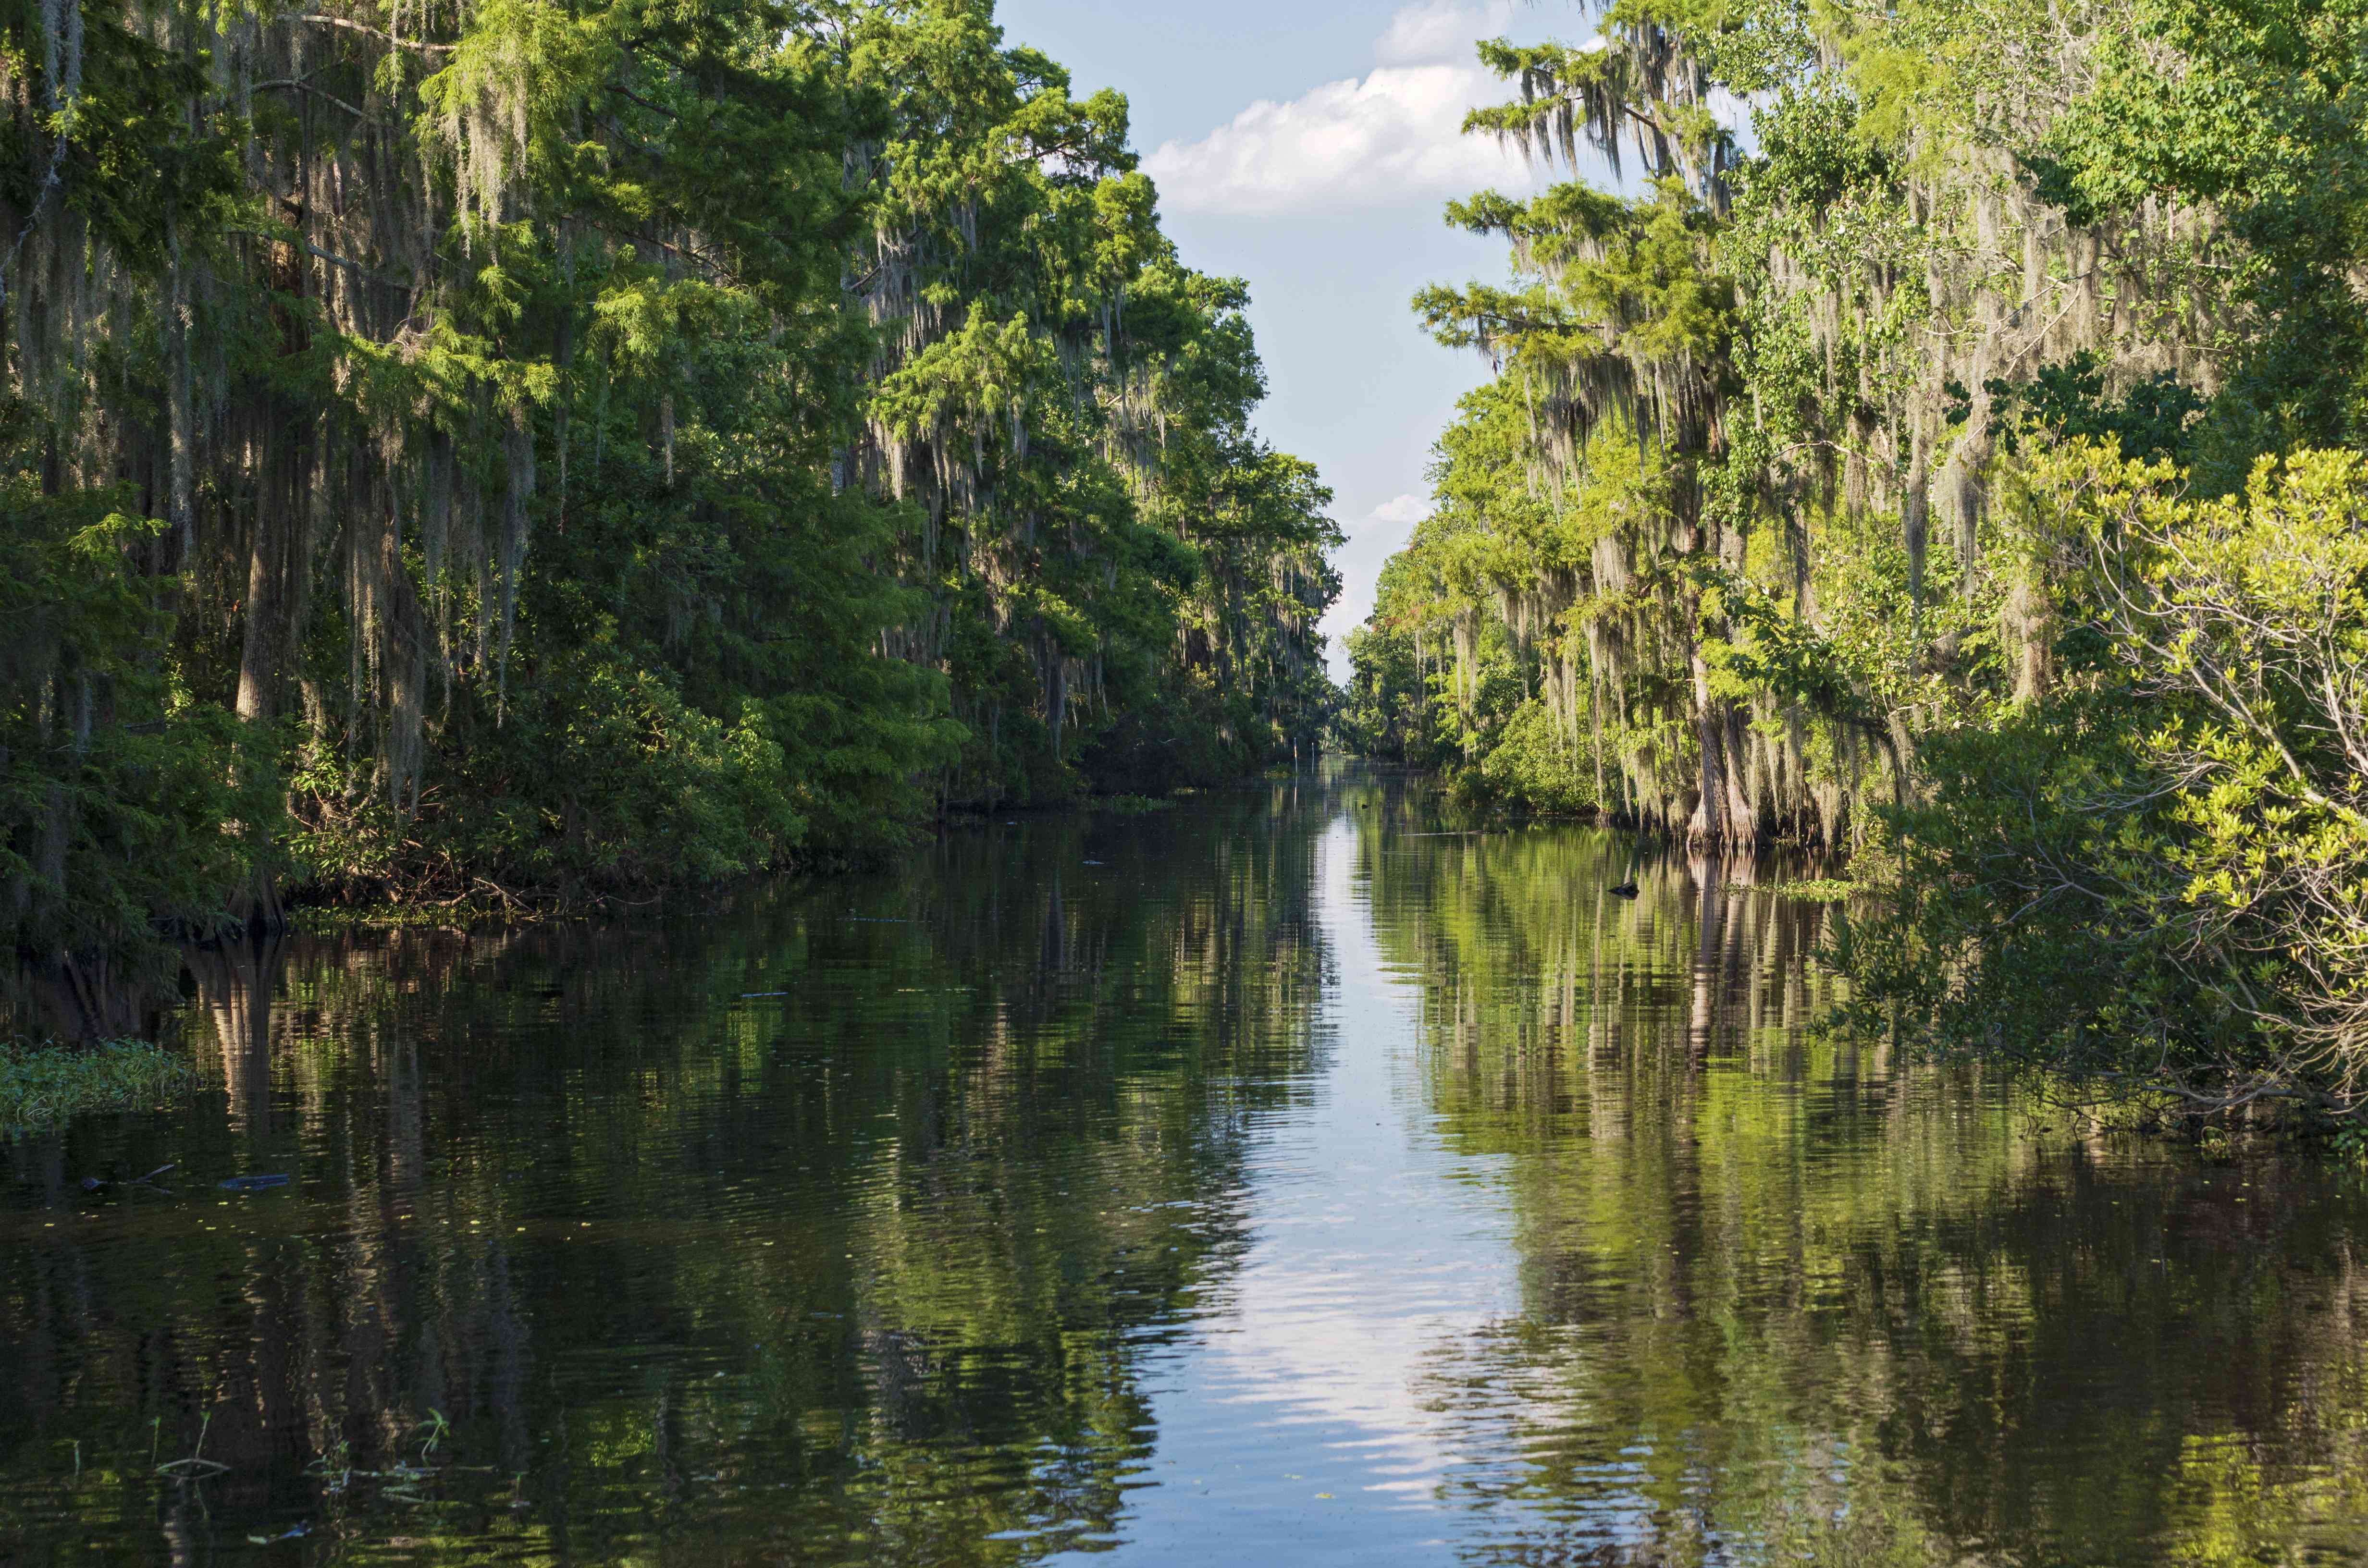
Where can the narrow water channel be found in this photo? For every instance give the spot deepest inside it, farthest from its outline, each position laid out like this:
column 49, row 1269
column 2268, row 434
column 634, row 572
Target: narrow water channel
column 1288, row 1178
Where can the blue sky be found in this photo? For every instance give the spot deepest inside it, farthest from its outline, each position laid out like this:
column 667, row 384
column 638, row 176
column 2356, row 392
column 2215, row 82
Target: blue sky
column 1308, row 147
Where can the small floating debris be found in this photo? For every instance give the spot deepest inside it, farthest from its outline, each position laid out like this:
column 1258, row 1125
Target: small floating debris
column 91, row 1184
column 252, row 1183
column 1625, row 890
column 1093, row 862
column 752, row 996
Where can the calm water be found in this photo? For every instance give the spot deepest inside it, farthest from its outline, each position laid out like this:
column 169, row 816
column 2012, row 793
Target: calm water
column 1284, row 1178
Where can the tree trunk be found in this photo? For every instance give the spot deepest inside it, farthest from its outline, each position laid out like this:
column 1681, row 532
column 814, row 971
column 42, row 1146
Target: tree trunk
column 180, row 412
column 259, row 662
column 1724, row 813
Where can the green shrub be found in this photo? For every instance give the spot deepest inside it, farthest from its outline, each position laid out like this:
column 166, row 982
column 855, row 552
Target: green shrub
column 1534, row 763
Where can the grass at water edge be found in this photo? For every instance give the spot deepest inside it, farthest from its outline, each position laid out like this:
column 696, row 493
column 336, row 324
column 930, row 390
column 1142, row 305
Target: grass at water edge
column 42, row 1086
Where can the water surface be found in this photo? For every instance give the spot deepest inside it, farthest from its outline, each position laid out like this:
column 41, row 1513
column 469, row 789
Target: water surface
column 1290, row 1177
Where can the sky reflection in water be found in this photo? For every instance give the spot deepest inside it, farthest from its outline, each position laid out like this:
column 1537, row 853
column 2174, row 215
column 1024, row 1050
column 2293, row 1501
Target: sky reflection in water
column 1304, row 1182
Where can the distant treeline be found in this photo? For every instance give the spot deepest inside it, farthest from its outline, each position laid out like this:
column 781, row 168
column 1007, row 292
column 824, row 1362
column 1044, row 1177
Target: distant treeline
column 1963, row 468
column 510, row 449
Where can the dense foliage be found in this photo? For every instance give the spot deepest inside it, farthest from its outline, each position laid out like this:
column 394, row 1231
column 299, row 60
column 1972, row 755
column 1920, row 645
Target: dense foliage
column 500, row 450
column 1958, row 463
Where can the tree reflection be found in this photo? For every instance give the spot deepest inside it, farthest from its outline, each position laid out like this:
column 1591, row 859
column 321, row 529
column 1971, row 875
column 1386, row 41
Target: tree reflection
column 839, row 1216
column 846, row 1223
column 1786, row 1299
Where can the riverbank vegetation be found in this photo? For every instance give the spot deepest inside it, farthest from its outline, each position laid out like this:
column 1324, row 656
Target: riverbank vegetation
column 519, row 450
column 1944, row 443
column 46, row 1086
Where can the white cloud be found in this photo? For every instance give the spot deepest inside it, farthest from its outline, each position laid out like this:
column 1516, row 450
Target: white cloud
column 1393, row 138
column 1400, row 513
column 1440, row 32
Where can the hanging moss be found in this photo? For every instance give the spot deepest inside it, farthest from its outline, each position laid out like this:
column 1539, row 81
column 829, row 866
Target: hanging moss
column 1824, row 350
column 919, row 467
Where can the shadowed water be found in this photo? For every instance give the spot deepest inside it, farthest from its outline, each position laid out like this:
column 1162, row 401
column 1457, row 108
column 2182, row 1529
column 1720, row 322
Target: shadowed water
column 1288, row 1178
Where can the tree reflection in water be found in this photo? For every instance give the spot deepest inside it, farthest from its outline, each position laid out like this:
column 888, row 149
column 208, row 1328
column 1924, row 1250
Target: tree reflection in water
column 1785, row 1298
column 859, row 1270
column 871, row 1221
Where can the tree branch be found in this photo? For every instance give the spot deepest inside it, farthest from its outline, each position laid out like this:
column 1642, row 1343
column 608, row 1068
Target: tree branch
column 425, row 48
